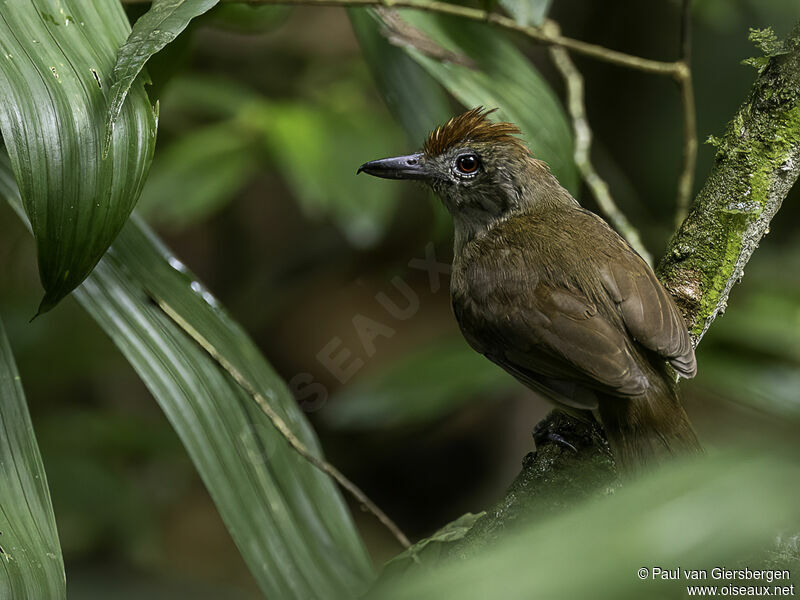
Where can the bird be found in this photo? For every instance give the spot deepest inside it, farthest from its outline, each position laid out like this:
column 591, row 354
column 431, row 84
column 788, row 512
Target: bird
column 548, row 291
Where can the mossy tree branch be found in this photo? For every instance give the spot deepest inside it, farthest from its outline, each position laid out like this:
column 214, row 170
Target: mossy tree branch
column 757, row 162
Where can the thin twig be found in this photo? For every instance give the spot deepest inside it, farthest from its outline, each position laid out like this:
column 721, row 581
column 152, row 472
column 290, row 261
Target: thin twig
column 582, row 153
column 538, row 34
column 279, row 424
column 683, row 75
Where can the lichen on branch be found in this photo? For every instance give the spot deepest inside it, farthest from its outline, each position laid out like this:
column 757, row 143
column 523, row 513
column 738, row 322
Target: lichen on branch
column 757, row 162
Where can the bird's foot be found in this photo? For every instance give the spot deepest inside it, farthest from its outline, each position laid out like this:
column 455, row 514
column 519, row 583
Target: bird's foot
column 556, row 428
column 554, row 437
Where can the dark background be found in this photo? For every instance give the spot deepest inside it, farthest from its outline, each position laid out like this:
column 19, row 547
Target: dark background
column 265, row 115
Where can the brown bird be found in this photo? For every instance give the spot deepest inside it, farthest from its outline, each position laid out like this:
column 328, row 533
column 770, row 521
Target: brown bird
column 551, row 293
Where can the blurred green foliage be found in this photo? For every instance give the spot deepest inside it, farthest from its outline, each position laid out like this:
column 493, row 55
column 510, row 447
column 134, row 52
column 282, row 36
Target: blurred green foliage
column 203, row 170
column 753, row 354
column 688, row 516
column 419, row 389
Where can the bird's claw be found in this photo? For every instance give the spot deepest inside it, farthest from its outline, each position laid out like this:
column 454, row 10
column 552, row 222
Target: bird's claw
column 560, row 440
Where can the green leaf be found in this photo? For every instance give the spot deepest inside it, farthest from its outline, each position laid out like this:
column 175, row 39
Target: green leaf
column 198, row 174
column 203, row 98
column 329, row 137
column 30, row 556
column 414, row 98
column 527, row 12
column 759, row 323
column 160, row 25
column 287, row 518
column 481, row 67
column 769, row 386
column 688, row 515
column 56, row 59
column 418, row 388
column 248, row 18
column 330, row 142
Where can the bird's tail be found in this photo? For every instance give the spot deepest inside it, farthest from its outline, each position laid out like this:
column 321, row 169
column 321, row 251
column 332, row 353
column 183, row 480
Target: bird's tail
column 648, row 428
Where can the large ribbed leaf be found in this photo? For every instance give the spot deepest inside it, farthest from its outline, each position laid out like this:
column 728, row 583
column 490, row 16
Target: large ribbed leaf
column 160, row 25
column 30, row 556
column 288, row 519
column 56, row 60
column 481, row 67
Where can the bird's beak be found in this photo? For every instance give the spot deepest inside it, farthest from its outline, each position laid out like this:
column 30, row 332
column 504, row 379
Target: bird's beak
column 398, row 167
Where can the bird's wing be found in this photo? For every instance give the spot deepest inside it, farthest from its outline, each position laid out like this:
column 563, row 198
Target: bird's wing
column 649, row 314
column 550, row 334
column 545, row 328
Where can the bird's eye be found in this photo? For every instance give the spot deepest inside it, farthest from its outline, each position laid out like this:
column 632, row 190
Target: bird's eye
column 467, row 163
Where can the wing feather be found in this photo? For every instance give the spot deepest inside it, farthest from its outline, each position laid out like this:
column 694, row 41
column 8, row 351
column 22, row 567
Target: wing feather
column 649, row 314
column 552, row 334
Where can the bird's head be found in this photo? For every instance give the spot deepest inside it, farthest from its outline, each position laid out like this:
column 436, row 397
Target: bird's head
column 479, row 168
